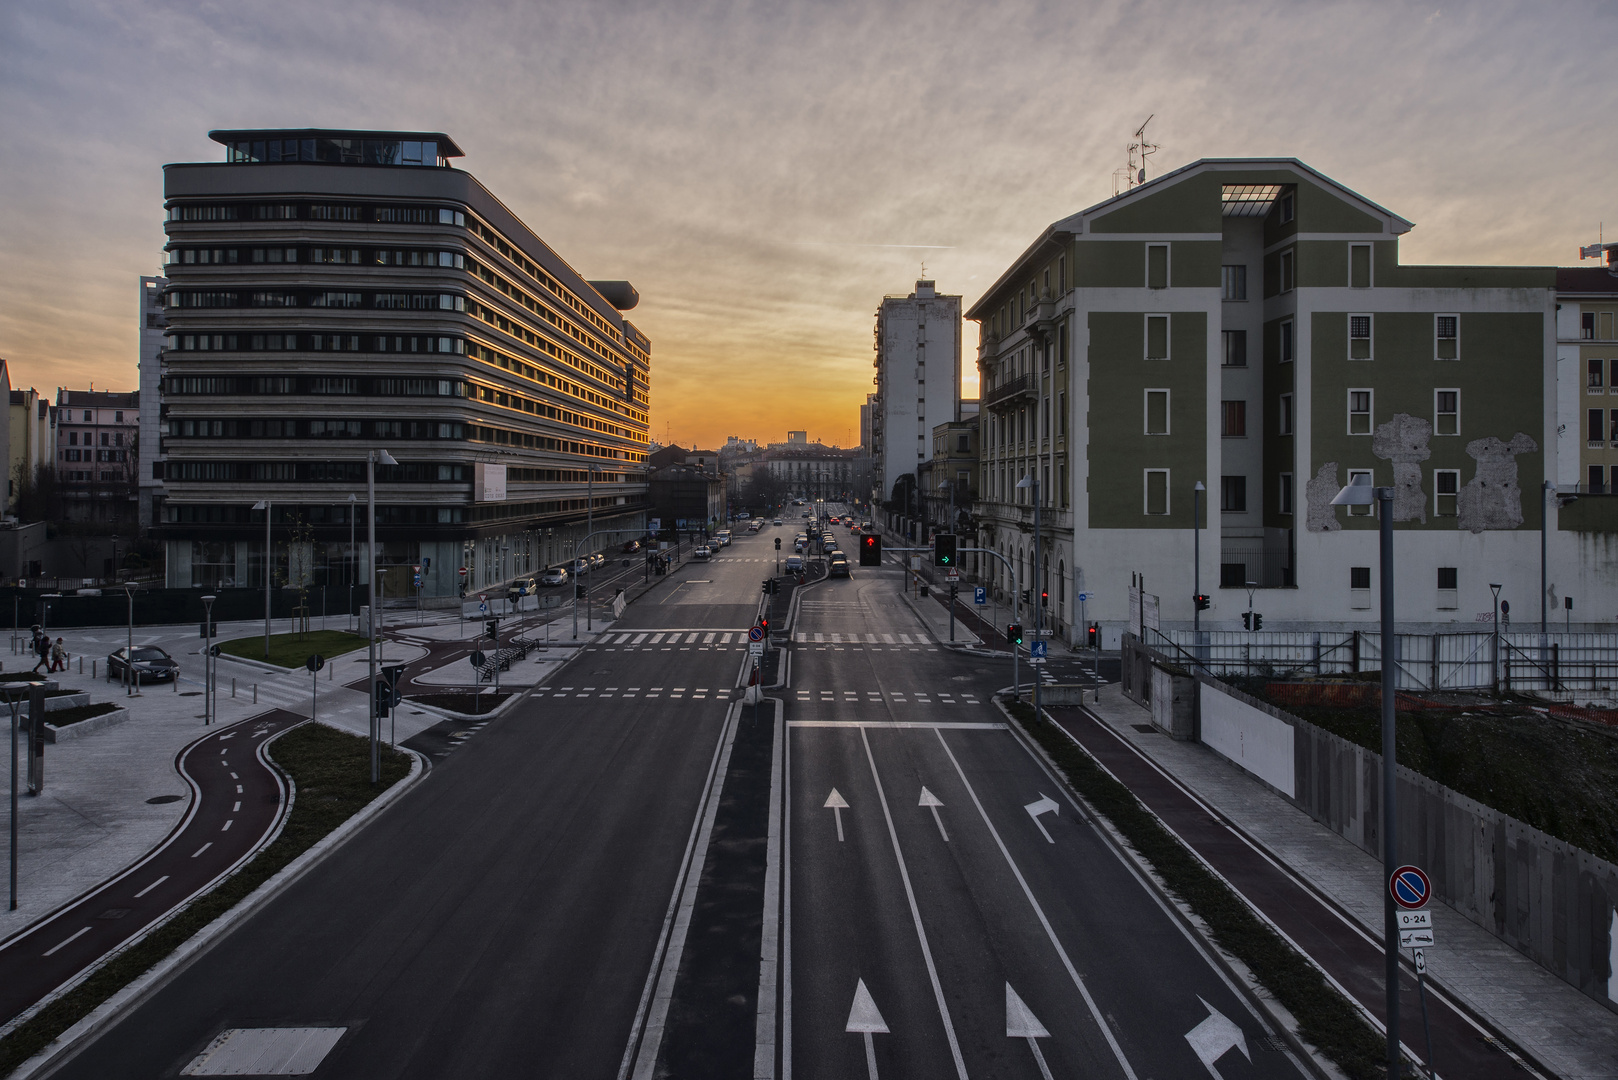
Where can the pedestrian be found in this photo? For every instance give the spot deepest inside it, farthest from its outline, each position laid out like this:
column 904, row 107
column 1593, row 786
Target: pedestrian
column 58, row 657
column 42, row 649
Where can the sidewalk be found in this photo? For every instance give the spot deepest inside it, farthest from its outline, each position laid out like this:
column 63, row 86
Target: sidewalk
column 1558, row 1027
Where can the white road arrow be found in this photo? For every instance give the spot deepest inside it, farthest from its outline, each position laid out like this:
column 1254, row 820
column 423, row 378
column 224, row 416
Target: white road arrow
column 1022, row 1024
column 837, row 804
column 932, row 802
column 1045, row 805
column 1214, row 1037
column 865, row 1020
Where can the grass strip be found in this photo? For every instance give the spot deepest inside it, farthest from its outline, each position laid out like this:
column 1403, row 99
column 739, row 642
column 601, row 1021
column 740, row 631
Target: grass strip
column 61, row 718
column 291, row 650
column 1326, row 1019
column 332, row 772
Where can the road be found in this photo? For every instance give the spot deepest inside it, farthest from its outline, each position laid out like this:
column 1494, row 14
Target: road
column 238, row 801
column 509, row 915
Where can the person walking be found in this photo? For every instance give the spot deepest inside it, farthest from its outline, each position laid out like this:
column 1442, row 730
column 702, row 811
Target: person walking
column 42, row 648
column 58, row 657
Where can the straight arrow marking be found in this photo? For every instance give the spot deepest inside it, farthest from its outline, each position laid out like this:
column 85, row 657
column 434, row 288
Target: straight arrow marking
column 1021, row 1023
column 932, row 802
column 864, row 1019
column 836, row 804
column 1045, row 805
column 1214, row 1037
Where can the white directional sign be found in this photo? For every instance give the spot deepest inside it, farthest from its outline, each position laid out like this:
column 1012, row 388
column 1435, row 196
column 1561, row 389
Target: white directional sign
column 1021, row 1023
column 915, row 562
column 1416, row 939
column 865, row 1020
column 837, row 804
column 931, row 801
column 1421, row 962
column 1216, row 1036
column 755, row 648
column 1045, row 805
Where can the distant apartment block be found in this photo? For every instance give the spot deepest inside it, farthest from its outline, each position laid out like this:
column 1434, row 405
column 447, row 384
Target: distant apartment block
column 918, row 379
column 97, row 456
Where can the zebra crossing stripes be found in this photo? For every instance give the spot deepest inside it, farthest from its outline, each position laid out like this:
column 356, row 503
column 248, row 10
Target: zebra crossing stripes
column 808, row 637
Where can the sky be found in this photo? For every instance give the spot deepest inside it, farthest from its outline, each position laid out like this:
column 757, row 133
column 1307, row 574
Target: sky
column 765, row 172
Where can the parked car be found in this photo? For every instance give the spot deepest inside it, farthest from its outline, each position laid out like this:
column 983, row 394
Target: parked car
column 631, row 546
column 838, row 566
column 556, row 575
column 150, row 664
column 743, row 516
column 794, row 564
column 703, row 553
column 777, row 521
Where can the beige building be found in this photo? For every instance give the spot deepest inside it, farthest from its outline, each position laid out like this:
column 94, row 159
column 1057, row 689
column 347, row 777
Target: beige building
column 30, row 439
column 1587, row 362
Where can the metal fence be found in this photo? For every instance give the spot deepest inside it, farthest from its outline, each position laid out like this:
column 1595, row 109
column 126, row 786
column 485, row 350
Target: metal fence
column 1552, row 663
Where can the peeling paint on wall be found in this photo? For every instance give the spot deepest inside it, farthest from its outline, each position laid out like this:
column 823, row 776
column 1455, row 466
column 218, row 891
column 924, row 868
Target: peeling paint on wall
column 1318, row 494
column 1403, row 441
column 1492, row 500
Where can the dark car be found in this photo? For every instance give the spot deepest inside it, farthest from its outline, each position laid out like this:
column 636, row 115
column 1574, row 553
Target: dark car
column 150, row 664
column 631, row 546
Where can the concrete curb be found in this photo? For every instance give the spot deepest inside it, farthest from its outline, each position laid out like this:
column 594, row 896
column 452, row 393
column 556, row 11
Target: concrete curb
column 65, row 1046
column 68, row 732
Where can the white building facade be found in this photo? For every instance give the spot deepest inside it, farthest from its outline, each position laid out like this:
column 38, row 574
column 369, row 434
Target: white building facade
column 917, row 336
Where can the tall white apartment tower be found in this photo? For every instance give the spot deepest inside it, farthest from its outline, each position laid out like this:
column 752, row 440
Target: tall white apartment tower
column 153, row 325
column 917, row 336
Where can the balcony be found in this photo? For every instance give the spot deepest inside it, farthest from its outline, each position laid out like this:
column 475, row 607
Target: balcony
column 1007, row 394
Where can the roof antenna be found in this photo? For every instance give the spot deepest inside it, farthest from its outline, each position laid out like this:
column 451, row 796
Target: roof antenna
column 1595, row 250
column 1135, row 172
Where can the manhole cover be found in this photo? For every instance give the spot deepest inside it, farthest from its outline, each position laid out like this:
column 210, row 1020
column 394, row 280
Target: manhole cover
column 190, row 693
column 159, row 800
column 114, row 913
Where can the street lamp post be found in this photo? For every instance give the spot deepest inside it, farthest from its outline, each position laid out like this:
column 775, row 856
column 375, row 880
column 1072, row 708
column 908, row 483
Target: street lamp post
column 207, row 659
column 129, row 654
column 264, row 505
column 371, row 459
column 1196, row 569
column 1036, row 591
column 353, row 564
column 1361, row 493
column 1494, row 661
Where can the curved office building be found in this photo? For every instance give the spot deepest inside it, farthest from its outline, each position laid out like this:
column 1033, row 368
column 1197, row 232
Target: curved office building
column 332, row 293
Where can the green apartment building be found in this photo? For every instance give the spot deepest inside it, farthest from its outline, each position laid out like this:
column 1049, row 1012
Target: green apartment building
column 1247, row 325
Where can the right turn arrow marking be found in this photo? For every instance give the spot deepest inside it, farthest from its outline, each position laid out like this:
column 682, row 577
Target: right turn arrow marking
column 1021, row 1023
column 865, row 1020
column 837, row 804
column 932, row 802
column 1045, row 805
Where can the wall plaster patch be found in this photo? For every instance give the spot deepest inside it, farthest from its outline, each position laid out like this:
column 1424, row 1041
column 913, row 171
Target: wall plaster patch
column 1492, row 499
column 1404, row 441
column 1318, row 494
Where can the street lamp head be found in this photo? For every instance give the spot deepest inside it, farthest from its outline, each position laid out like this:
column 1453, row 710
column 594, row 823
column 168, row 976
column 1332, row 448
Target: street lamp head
column 1026, row 482
column 210, row 598
column 262, row 504
column 385, row 458
column 353, row 497
column 1359, row 492
column 1198, row 486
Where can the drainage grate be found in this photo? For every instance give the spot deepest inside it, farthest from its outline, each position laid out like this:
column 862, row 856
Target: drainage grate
column 114, row 913
column 265, row 1052
column 159, row 800
column 1144, row 729
column 1268, row 1042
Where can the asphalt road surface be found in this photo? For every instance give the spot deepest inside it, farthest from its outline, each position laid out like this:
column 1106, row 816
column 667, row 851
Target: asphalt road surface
column 237, row 801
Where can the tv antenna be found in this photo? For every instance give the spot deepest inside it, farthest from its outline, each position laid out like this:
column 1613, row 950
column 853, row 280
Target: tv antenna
column 1600, row 247
column 1135, row 172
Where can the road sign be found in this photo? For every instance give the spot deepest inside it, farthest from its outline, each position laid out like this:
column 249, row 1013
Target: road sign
column 1083, row 596
column 477, row 658
column 980, row 595
column 1421, row 962
column 1415, row 939
column 915, row 562
column 1037, row 650
column 952, row 575
column 315, row 662
column 755, row 633
column 755, row 648
column 1410, row 887
column 1414, row 920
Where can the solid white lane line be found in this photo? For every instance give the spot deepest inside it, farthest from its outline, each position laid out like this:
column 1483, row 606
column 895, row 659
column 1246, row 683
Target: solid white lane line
column 786, row 903
column 915, row 915
column 769, row 964
column 1073, row 973
column 152, row 886
column 66, row 941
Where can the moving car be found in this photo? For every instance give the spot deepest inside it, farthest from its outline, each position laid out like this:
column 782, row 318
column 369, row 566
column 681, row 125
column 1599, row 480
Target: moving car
column 631, row 546
column 520, row 588
column 838, row 566
column 723, row 536
column 581, row 566
column 794, row 564
column 703, row 552
column 598, row 559
column 556, row 575
column 149, row 664
column 777, row 521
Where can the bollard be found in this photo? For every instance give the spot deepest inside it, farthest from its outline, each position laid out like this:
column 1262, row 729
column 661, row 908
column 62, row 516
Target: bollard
column 81, row 665
column 93, row 664
column 255, row 693
column 233, row 686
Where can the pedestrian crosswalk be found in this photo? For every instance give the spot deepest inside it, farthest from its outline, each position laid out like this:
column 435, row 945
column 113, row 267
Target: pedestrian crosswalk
column 804, row 637
column 897, row 697
column 678, row 693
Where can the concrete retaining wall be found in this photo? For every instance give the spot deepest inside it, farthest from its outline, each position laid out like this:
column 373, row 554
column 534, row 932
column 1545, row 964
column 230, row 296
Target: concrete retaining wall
column 1555, row 903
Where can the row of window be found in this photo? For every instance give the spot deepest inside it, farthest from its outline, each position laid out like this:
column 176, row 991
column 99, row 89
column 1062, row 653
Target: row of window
column 90, row 416
column 351, row 472
column 371, row 386
column 1596, row 325
column 1596, row 368
column 503, row 399
column 303, row 211
column 1446, row 340
column 493, row 238
column 335, row 151
column 185, row 514
column 313, row 428
column 1014, row 428
column 1599, row 430
column 108, row 438
column 315, row 298
column 1233, row 414
column 347, row 256
column 1233, row 492
column 71, row 454
column 539, row 375
column 362, row 342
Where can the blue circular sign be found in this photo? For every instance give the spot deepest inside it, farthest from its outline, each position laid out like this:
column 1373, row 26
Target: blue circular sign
column 1410, row 887
column 756, row 634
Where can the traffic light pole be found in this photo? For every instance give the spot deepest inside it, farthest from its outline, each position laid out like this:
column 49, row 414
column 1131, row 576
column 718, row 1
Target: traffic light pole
column 589, row 612
column 1016, row 612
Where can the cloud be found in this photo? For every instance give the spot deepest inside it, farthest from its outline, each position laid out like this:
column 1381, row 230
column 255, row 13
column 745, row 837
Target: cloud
column 758, row 169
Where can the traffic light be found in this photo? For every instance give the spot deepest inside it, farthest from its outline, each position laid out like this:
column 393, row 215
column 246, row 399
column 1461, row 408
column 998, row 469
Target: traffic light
column 944, row 549
column 1014, row 633
column 870, row 551
column 1201, row 600
column 491, row 629
column 1258, row 620
column 1247, row 620
column 1092, row 636
column 1027, row 596
column 777, row 543
column 1044, row 598
column 764, row 625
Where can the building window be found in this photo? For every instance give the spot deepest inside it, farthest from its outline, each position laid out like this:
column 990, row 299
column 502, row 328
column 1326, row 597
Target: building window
column 1157, row 412
column 1233, row 282
column 1061, row 275
column 73, row 438
column 1359, row 266
column 1598, row 480
column 1359, row 337
column 1061, row 413
column 1284, row 495
column 1359, row 577
column 1446, row 491
column 1596, row 435
column 1587, row 326
column 1447, row 337
column 1288, row 342
column 1614, row 428
column 1446, row 412
column 1449, row 577
column 1235, row 345
column 118, row 416
column 1233, row 494
column 1353, row 478
column 1288, row 273
column 1157, row 491
column 1157, row 337
column 1233, row 419
column 1359, row 412
column 1157, row 266
column 1285, row 206
column 1596, row 368
column 963, row 444
column 1285, row 419
column 88, row 416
